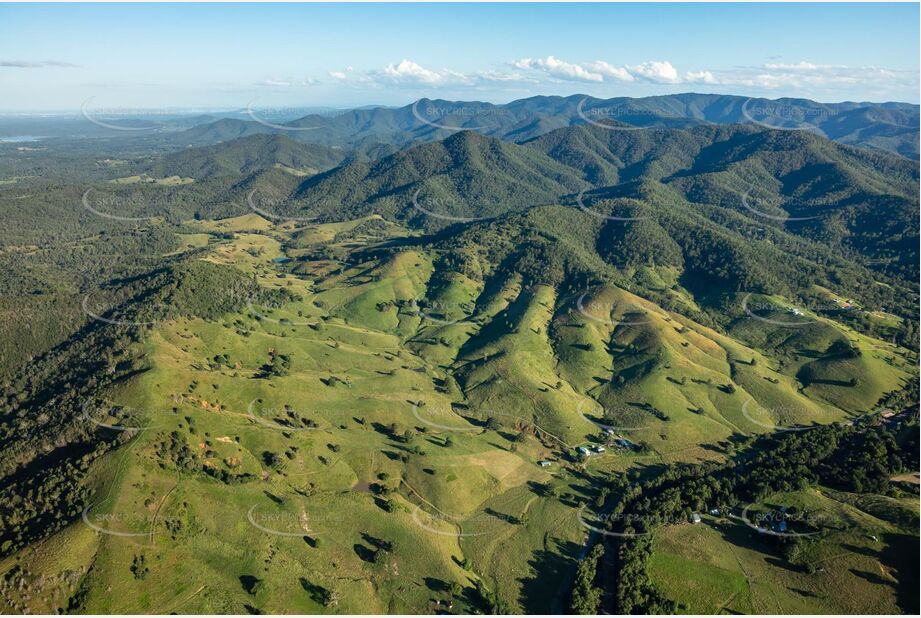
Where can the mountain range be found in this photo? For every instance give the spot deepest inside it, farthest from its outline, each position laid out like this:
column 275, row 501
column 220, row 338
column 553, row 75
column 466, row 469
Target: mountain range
column 380, row 365
column 892, row 127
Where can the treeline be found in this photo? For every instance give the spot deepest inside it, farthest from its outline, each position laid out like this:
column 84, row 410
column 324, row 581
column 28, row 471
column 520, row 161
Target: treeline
column 852, row 458
column 48, row 438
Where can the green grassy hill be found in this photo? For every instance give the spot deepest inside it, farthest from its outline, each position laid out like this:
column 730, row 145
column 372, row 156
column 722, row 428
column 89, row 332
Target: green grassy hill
column 383, row 416
column 394, row 386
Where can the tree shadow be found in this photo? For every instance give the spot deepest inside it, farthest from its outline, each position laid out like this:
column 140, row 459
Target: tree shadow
column 250, row 583
column 366, row 554
column 873, row 578
column 436, row 585
column 805, row 593
column 553, row 570
column 900, row 555
column 318, row 593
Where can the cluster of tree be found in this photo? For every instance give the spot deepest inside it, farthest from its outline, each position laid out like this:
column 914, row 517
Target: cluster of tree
column 278, row 365
column 49, row 435
column 586, row 595
column 855, row 458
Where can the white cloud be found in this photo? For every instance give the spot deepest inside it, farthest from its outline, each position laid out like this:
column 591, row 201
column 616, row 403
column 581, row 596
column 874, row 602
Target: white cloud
column 529, row 73
column 499, row 76
column 342, row 75
column 611, row 71
column 276, row 83
column 802, row 66
column 700, row 77
column 559, row 69
column 661, row 72
column 807, row 76
column 409, row 72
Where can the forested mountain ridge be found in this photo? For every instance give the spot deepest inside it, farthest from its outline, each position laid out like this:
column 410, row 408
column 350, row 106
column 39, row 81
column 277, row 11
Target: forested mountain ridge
column 889, row 127
column 859, row 202
column 464, row 176
column 247, row 155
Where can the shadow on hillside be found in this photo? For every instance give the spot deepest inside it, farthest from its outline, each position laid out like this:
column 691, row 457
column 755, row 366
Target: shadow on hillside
column 546, row 591
column 900, row 556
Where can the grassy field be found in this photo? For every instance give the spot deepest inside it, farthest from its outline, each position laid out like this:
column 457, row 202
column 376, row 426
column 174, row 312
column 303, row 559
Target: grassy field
column 723, row 565
column 169, row 181
column 333, row 455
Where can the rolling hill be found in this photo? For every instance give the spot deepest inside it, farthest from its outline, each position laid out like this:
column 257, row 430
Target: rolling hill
column 394, row 380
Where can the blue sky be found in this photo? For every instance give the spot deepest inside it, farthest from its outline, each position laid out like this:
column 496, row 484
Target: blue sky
column 56, row 57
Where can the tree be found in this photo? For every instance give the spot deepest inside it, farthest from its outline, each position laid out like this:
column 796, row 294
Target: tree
column 138, row 567
column 586, row 597
column 488, row 599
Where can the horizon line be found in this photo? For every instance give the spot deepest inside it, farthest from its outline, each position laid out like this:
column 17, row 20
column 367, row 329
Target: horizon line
column 333, row 108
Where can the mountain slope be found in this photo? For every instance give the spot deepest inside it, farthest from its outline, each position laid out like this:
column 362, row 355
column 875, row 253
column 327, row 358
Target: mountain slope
column 246, row 155
column 465, row 176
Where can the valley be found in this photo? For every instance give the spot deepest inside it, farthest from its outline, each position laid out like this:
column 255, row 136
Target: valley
column 462, row 374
